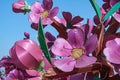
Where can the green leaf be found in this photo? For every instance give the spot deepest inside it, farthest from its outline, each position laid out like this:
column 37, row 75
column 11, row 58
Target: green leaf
column 41, row 66
column 96, row 8
column 112, row 10
column 42, row 41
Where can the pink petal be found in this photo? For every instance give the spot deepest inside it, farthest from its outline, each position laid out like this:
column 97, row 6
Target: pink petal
column 61, row 47
column 53, row 12
column 32, row 72
column 112, row 51
column 91, row 44
column 84, row 61
column 47, row 64
column 65, row 64
column 37, row 8
column 76, row 37
column 117, row 17
column 46, row 21
column 35, row 78
column 33, row 17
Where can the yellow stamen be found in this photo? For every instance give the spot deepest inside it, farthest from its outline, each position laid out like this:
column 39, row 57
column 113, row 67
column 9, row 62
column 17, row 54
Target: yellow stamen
column 77, row 53
column 45, row 14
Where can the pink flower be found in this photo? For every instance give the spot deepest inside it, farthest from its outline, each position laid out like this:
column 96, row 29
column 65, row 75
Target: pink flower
column 20, row 6
column 15, row 75
column 44, row 11
column 26, row 54
column 75, row 51
column 112, row 51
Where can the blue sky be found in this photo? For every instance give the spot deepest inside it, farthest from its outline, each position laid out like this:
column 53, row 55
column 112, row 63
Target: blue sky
column 14, row 25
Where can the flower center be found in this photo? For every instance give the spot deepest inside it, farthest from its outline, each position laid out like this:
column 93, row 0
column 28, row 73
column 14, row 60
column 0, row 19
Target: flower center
column 77, row 53
column 44, row 14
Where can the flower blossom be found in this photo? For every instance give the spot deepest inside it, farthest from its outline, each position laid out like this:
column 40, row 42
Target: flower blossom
column 43, row 11
column 75, row 51
column 15, row 75
column 112, row 53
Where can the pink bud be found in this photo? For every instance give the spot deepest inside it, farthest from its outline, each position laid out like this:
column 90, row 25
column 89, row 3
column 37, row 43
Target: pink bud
column 26, row 54
column 17, row 6
column 27, row 35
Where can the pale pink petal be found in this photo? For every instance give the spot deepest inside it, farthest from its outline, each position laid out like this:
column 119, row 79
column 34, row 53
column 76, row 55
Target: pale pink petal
column 84, row 61
column 35, row 78
column 37, row 8
column 65, row 64
column 33, row 17
column 117, row 17
column 46, row 21
column 61, row 47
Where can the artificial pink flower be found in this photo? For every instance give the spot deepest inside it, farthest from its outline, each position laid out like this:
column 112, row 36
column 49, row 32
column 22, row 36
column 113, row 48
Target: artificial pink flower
column 15, row 75
column 44, row 11
column 26, row 54
column 75, row 51
column 20, row 6
column 112, row 51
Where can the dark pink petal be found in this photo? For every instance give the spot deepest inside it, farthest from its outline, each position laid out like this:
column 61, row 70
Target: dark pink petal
column 106, row 0
column 84, row 61
column 91, row 44
column 112, row 2
column 46, row 21
column 33, row 17
column 34, row 26
column 65, row 64
column 37, row 8
column 76, row 20
column 49, row 36
column 53, row 12
column 47, row 4
column 96, row 20
column 112, row 51
column 67, row 16
column 61, row 47
column 76, row 37
column 106, row 6
column 117, row 17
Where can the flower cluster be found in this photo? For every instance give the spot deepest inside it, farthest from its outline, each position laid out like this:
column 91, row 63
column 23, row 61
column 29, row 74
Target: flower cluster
column 80, row 51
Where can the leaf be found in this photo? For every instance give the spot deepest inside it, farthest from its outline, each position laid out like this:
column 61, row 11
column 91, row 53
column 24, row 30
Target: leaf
column 42, row 41
column 41, row 66
column 112, row 10
column 96, row 8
